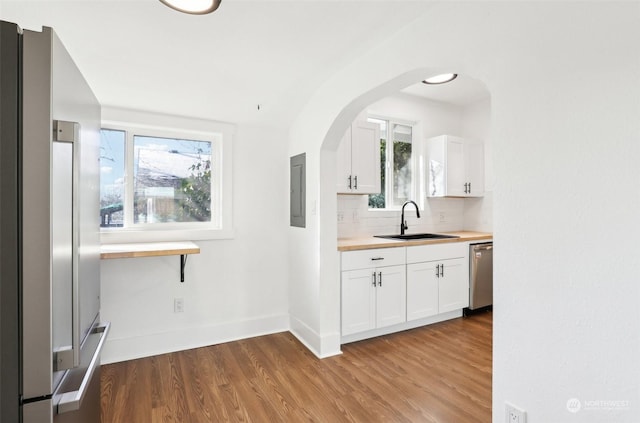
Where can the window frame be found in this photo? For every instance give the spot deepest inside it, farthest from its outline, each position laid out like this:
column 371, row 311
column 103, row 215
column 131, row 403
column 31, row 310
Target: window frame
column 164, row 126
column 388, row 165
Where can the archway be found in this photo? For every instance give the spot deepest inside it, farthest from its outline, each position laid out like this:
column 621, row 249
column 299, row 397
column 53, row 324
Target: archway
column 329, row 259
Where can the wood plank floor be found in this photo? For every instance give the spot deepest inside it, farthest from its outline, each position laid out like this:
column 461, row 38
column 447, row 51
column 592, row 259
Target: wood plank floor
column 438, row 373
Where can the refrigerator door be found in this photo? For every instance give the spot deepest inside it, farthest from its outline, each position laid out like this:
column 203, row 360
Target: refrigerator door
column 9, row 223
column 37, row 361
column 60, row 236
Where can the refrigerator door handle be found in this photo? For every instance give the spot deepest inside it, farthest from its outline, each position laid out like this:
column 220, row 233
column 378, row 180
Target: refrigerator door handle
column 69, row 357
column 71, row 401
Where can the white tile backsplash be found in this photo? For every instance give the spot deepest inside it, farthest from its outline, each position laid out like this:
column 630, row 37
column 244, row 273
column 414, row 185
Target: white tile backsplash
column 355, row 219
column 478, row 213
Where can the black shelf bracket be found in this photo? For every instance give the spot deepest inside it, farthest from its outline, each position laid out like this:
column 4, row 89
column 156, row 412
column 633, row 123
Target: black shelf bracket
column 183, row 262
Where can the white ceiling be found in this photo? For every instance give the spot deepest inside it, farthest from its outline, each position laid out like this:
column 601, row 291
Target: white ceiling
column 140, row 54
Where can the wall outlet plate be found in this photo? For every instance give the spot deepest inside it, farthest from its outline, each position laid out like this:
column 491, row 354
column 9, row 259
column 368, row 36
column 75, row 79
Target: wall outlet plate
column 513, row 414
column 178, row 305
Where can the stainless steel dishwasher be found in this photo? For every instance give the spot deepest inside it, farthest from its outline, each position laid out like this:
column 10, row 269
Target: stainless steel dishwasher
column 480, row 276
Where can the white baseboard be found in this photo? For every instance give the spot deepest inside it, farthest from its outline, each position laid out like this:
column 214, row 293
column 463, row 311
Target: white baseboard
column 321, row 346
column 402, row 326
column 122, row 349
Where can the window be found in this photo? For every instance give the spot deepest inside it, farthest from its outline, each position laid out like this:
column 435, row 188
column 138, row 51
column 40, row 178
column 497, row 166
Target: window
column 162, row 180
column 396, row 164
column 112, row 152
column 171, row 180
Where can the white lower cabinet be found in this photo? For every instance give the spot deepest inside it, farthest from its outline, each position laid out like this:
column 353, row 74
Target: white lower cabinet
column 422, row 290
column 437, row 279
column 397, row 286
column 453, row 285
column 373, row 297
column 436, row 287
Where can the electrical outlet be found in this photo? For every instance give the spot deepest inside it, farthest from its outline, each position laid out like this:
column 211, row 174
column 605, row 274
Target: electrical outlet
column 178, row 305
column 514, row 414
column 443, row 218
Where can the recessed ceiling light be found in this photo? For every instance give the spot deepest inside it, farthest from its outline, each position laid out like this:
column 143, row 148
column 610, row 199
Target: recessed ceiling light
column 193, row 7
column 440, row 79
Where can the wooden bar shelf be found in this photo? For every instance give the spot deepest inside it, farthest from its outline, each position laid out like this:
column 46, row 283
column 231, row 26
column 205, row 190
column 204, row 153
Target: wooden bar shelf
column 151, row 249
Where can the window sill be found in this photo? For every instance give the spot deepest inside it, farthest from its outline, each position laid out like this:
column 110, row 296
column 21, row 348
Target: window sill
column 388, row 212
column 176, row 235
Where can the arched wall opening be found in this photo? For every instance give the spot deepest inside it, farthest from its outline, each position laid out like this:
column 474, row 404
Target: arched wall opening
column 329, row 259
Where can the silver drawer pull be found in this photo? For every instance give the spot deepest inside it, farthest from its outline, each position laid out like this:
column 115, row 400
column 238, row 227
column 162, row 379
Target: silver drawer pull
column 377, row 258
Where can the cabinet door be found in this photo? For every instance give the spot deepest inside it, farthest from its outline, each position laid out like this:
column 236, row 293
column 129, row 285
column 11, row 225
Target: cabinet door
column 391, row 296
column 343, row 164
column 358, row 301
column 453, row 286
column 422, row 290
column 456, row 173
column 365, row 158
column 474, row 164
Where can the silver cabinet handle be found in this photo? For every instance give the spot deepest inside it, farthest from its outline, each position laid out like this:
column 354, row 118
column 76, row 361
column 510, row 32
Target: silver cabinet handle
column 355, row 178
column 469, row 187
column 71, row 401
column 437, row 271
column 349, row 181
column 377, row 258
column 374, row 279
column 442, row 270
column 379, row 278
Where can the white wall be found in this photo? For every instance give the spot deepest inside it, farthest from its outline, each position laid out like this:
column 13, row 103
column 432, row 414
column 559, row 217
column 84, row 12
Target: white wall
column 565, row 141
column 233, row 289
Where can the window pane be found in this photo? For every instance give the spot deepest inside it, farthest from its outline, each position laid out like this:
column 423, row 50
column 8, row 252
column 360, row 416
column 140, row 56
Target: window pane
column 112, row 153
column 172, row 180
column 377, row 201
column 401, row 163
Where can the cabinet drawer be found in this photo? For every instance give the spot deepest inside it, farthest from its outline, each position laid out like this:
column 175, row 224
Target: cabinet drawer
column 421, row 253
column 378, row 257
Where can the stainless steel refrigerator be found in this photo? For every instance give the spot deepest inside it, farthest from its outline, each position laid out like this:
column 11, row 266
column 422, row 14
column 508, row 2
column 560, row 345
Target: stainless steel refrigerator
column 50, row 330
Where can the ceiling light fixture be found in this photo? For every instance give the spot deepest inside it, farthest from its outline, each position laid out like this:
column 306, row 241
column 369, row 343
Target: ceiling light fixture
column 440, row 79
column 193, row 7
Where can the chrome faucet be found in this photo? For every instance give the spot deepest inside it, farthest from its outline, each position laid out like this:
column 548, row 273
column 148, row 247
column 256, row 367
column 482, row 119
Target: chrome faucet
column 403, row 223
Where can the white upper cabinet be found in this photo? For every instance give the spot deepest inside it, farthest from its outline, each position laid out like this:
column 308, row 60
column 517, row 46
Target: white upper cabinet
column 455, row 167
column 358, row 161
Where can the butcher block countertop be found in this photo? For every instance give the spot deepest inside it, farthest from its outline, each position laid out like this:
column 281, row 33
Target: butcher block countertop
column 366, row 243
column 147, row 249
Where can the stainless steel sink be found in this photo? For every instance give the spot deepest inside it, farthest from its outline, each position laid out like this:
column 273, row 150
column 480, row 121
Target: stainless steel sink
column 407, row 237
